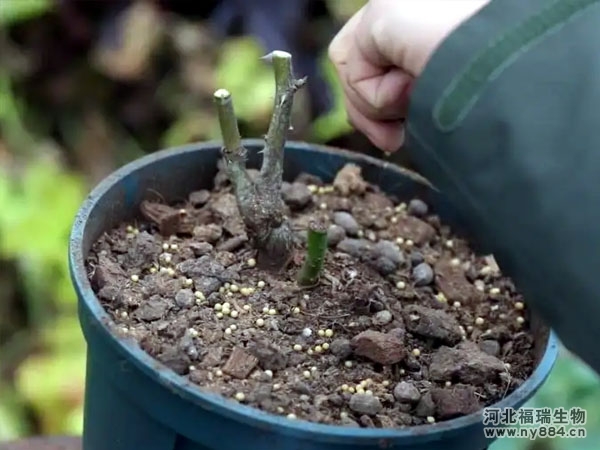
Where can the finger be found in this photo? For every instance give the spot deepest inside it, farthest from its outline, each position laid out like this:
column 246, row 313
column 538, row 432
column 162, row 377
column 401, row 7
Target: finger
column 387, row 136
column 380, row 94
column 344, row 39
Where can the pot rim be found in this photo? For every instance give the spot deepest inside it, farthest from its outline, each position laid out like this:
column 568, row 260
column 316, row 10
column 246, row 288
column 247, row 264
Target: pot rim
column 229, row 408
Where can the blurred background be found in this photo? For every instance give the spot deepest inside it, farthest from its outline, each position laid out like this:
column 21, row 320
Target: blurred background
column 88, row 85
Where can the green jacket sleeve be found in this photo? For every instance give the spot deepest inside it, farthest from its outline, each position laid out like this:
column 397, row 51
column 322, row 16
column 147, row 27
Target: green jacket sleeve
column 505, row 121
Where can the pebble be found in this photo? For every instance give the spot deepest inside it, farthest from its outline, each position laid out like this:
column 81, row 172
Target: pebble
column 406, row 392
column 348, row 422
column 389, row 250
column 185, row 298
column 335, row 234
column 366, row 421
column 382, row 317
column 349, row 180
column 208, row 233
column 384, row 266
column 417, row 208
column 200, row 248
column 354, row 247
column 416, row 258
column 490, row 347
column 296, row 195
column 454, row 402
column 432, row 324
column 341, row 348
column 152, row 309
column 465, row 363
column 422, row 274
column 426, row 406
column 365, row 404
column 382, row 348
column 347, row 222
column 301, row 388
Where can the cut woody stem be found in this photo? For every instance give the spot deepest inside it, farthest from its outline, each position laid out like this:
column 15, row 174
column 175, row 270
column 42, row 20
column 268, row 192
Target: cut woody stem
column 315, row 255
column 260, row 202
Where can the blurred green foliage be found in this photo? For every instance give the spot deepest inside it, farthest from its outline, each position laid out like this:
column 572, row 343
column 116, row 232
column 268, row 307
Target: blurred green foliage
column 42, row 366
column 14, row 11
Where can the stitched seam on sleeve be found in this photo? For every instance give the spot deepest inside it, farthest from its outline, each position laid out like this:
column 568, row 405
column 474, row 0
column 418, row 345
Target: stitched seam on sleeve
column 466, row 88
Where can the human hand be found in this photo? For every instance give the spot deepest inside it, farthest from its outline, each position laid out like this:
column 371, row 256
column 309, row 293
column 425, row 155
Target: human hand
column 381, row 50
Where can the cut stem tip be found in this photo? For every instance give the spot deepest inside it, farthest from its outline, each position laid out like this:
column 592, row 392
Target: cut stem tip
column 222, row 94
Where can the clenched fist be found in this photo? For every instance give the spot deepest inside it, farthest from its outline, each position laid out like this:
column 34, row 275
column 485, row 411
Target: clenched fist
column 379, row 53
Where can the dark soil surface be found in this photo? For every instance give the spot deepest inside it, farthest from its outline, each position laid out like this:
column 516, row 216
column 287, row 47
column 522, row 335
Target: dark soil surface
column 407, row 326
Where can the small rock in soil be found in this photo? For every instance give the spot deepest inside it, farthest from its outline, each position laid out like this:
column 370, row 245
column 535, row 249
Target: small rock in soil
column 432, row 323
column 415, row 229
column 366, row 421
column 422, row 274
column 107, row 272
column 348, row 422
column 499, row 333
column 347, row 222
column 385, row 421
column 207, row 285
column 490, row 347
column 406, row 392
column 335, row 234
column 296, row 195
column 355, row 247
column 143, row 252
column 382, row 317
column 349, row 180
column 364, row 215
column 411, row 363
column 225, row 258
column 240, row 363
column 398, row 331
column 175, row 360
column 269, row 355
column 199, row 198
column 453, row 283
column 158, row 284
column 426, row 406
column 417, row 208
column 201, row 248
column 389, row 250
column 205, row 266
column 113, row 294
column 341, row 348
column 403, row 418
column 152, row 309
column 335, row 399
column 185, row 298
column 226, row 208
column 384, row 266
column 210, row 233
column 192, row 352
column 301, row 388
column 378, row 202
column 365, row 404
column 465, row 363
column 416, row 258
column 213, row 357
column 455, row 401
column 382, row 348
column 262, row 392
